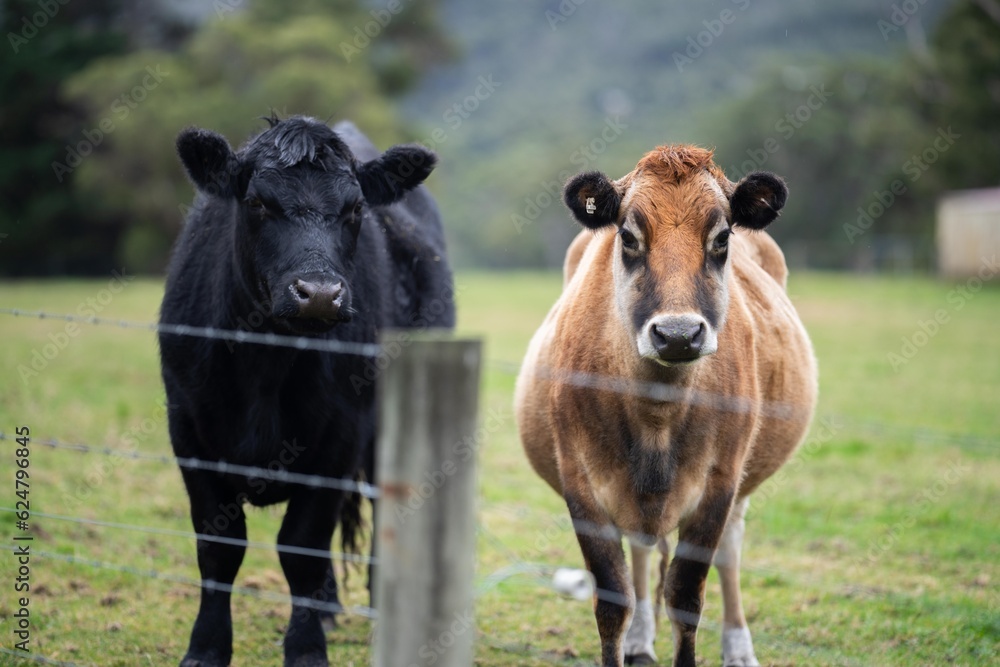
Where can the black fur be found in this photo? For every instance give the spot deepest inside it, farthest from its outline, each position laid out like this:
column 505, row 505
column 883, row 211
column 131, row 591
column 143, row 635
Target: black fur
column 297, row 206
column 607, row 200
column 401, row 167
column 758, row 200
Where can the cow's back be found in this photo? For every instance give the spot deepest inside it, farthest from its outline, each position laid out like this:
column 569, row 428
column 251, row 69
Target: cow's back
column 422, row 291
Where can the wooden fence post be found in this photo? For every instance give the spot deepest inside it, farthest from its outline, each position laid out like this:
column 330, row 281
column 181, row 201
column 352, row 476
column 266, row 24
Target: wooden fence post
column 428, row 395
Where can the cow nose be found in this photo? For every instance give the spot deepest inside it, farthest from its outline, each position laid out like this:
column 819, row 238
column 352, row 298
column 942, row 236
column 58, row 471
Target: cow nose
column 318, row 300
column 678, row 338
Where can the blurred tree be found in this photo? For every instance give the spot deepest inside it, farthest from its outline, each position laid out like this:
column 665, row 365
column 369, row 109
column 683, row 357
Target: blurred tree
column 119, row 182
column 44, row 228
column 961, row 89
column 866, row 166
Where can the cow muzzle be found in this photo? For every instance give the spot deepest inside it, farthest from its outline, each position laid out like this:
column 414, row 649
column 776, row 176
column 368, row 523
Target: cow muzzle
column 318, row 299
column 676, row 339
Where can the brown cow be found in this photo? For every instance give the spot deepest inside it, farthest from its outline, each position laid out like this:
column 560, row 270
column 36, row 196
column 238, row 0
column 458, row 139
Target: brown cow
column 670, row 297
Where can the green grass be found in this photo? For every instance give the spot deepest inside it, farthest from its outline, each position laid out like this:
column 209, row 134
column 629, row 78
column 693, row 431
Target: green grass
column 878, row 546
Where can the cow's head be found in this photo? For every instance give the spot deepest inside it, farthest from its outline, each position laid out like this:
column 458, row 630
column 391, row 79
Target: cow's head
column 675, row 213
column 301, row 199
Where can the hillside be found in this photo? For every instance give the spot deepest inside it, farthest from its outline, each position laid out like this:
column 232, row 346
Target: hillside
column 563, row 73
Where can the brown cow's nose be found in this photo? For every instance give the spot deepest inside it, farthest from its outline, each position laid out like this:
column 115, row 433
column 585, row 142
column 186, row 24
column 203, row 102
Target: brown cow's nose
column 318, row 300
column 678, row 339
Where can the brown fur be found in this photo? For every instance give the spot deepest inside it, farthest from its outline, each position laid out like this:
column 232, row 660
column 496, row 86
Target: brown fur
column 649, row 467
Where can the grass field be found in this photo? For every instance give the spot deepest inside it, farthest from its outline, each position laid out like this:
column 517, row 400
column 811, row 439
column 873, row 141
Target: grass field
column 879, row 547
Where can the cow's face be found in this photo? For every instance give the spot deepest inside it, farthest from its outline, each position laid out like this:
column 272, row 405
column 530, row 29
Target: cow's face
column 675, row 213
column 301, row 199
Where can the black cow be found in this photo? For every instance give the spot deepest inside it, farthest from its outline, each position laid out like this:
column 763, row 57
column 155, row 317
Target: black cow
column 306, row 230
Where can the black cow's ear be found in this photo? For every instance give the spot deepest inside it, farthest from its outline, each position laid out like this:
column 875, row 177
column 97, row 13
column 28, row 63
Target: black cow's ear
column 386, row 179
column 758, row 199
column 210, row 162
column 593, row 199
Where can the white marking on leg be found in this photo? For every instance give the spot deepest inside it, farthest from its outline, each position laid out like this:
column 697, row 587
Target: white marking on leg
column 642, row 632
column 737, row 648
column 737, row 645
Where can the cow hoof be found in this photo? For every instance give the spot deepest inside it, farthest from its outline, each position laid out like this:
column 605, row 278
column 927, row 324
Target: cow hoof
column 310, row 660
column 189, row 661
column 641, row 633
column 737, row 648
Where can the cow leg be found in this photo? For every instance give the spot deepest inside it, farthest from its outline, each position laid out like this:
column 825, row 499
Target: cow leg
column 309, row 522
column 685, row 589
column 214, row 511
column 326, row 616
column 642, row 631
column 605, row 558
column 737, row 647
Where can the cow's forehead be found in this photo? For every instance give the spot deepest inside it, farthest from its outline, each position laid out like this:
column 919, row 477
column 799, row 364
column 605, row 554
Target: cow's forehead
column 693, row 200
column 295, row 141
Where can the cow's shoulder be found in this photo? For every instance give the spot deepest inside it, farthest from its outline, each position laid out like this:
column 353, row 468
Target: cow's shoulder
column 763, row 251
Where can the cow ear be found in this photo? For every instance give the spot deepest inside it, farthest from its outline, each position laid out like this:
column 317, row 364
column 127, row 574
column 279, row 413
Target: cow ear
column 758, row 199
column 593, row 199
column 210, row 163
column 386, row 179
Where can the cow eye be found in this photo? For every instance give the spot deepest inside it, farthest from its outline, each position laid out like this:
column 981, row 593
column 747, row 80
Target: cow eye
column 357, row 210
column 256, row 205
column 629, row 241
column 721, row 243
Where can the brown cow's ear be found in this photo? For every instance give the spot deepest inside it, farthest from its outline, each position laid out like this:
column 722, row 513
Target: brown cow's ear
column 593, row 199
column 758, row 199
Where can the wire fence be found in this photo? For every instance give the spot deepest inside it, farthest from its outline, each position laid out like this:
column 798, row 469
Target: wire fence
column 538, row 574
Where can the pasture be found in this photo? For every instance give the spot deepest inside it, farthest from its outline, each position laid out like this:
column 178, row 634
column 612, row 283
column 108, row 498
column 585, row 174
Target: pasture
column 878, row 547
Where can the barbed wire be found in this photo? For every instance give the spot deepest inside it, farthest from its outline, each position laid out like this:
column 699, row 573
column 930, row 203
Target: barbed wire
column 279, row 548
column 277, row 475
column 659, row 391
column 541, row 575
column 652, row 390
column 357, row 610
column 214, row 333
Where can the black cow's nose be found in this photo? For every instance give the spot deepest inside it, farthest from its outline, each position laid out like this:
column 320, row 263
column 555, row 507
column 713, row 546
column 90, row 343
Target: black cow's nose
column 318, row 300
column 678, row 339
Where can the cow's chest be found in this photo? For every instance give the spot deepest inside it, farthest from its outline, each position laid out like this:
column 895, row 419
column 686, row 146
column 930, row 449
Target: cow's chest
column 656, row 480
column 284, row 418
